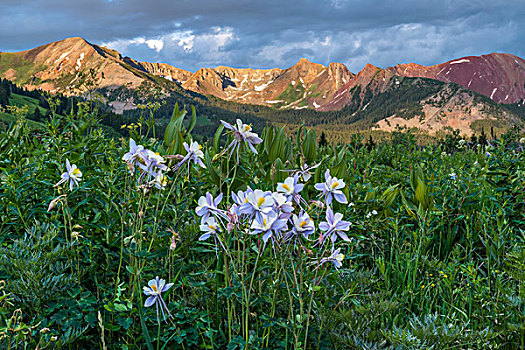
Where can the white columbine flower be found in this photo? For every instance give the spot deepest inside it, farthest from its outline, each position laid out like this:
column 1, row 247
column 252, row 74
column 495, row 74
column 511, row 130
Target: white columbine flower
column 73, row 174
column 331, row 188
column 133, row 154
column 257, row 201
column 291, row 188
column 242, row 133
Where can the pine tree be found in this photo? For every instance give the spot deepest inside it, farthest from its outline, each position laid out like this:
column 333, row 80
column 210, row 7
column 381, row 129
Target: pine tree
column 322, row 141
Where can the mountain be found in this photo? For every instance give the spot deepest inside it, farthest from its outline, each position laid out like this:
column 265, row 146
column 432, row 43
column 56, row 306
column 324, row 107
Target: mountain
column 462, row 93
column 59, row 67
column 500, row 76
column 303, row 85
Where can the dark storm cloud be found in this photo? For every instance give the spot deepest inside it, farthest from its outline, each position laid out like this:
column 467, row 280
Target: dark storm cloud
column 194, row 33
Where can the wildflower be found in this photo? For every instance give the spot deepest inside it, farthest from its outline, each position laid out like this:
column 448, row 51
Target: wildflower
column 154, row 291
column 452, row 176
column 304, row 171
column 282, row 205
column 160, row 181
column 335, row 225
column 240, row 197
column 54, row 202
column 173, row 244
column 487, row 154
column 291, row 188
column 233, row 218
column 208, row 206
column 257, row 201
column 133, row 154
column 150, row 163
column 269, row 224
column 73, row 174
column 302, row 225
column 351, row 204
column 242, row 132
column 373, row 212
column 194, row 154
column 336, row 258
column 209, row 227
column 331, row 188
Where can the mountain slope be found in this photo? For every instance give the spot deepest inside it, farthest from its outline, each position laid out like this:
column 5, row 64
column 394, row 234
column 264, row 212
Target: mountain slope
column 500, row 76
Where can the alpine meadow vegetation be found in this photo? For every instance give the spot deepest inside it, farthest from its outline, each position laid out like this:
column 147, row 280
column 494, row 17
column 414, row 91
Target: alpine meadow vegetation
column 257, row 239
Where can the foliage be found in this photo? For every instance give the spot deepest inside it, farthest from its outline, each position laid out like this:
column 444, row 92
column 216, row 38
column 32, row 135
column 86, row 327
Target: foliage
column 434, row 260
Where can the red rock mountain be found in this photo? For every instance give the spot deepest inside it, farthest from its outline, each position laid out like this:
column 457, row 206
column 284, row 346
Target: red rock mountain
column 500, row 76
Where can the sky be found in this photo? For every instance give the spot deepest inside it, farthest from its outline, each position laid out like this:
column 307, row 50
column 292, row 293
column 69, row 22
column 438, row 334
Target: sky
column 193, row 34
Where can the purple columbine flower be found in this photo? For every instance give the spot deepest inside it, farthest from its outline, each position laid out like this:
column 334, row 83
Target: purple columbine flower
column 242, row 133
column 291, row 188
column 305, row 171
column 269, row 224
column 240, row 197
column 257, row 202
column 282, row 205
column 233, row 218
column 73, row 174
column 336, row 258
column 331, row 188
column 155, row 289
column 194, row 154
column 150, row 163
column 302, row 225
column 207, row 206
column 335, row 225
column 133, row 154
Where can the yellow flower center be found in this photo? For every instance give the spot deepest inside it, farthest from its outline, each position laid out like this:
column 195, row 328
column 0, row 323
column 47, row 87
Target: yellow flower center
column 200, row 146
column 246, row 200
column 247, row 128
column 264, row 222
column 302, row 224
column 286, row 187
column 335, row 184
column 260, row 201
column 154, row 287
column 76, row 171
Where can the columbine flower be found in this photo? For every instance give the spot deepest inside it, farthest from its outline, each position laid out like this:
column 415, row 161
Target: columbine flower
column 257, row 201
column 210, row 228
column 242, row 132
column 335, row 225
column 208, row 206
column 269, row 224
column 194, row 154
column 160, row 181
column 233, row 218
column 291, row 188
column 155, row 289
column 133, row 154
column 336, row 258
column 282, row 205
column 302, row 225
column 150, row 163
column 73, row 174
column 331, row 188
column 304, row 172
column 240, row 197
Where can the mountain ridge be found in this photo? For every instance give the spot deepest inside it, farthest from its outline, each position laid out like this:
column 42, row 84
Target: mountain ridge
column 64, row 65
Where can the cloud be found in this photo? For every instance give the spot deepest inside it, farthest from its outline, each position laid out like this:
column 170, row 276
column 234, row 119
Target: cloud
column 262, row 34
